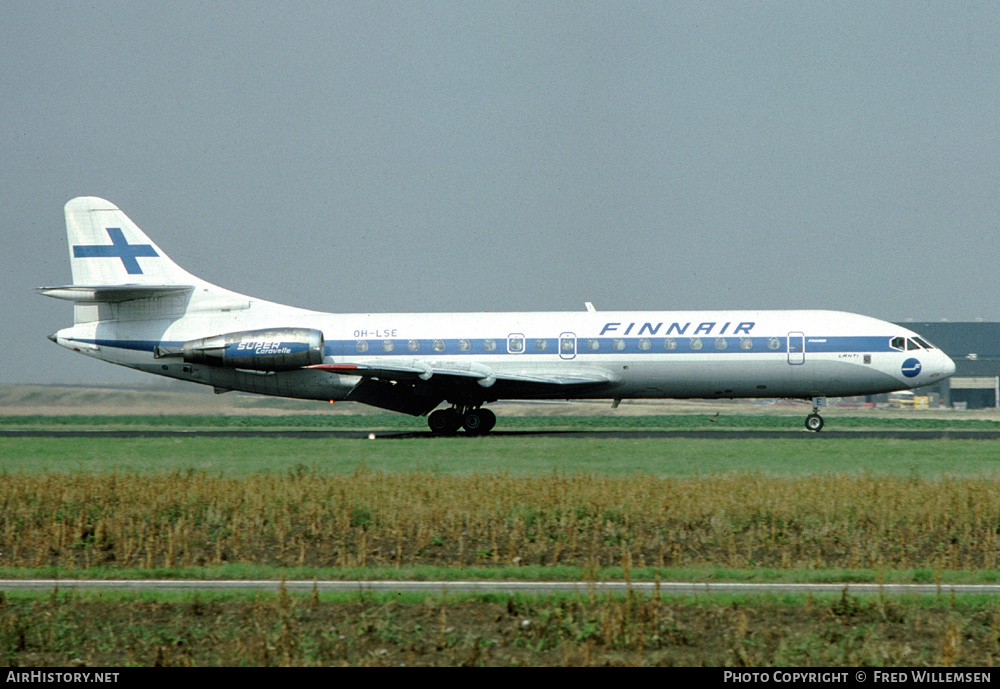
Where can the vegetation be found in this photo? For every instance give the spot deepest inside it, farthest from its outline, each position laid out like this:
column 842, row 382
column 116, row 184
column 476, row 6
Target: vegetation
column 798, row 509
column 803, row 455
column 374, row 519
column 66, row 628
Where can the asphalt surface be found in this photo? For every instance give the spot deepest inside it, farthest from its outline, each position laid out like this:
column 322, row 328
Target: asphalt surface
column 528, row 587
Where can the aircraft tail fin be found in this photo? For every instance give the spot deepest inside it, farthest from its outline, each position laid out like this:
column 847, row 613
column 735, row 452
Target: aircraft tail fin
column 121, row 274
column 107, row 248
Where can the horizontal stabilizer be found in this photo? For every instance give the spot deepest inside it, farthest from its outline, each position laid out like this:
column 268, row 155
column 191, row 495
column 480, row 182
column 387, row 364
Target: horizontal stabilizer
column 100, row 294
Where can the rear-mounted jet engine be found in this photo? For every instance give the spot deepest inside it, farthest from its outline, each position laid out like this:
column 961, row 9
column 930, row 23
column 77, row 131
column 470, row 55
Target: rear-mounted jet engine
column 281, row 349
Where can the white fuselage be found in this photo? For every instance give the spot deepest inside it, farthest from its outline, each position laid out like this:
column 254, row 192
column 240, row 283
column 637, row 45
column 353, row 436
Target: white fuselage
column 674, row 354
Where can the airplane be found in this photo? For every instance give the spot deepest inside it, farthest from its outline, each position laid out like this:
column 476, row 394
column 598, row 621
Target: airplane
column 135, row 307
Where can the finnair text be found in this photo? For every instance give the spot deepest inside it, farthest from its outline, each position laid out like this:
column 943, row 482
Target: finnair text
column 707, row 328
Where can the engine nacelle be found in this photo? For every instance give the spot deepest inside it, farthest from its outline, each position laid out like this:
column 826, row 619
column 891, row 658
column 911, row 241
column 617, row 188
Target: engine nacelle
column 272, row 349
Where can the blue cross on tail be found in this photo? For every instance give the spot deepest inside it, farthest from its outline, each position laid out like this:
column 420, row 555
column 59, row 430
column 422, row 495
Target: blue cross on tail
column 119, row 248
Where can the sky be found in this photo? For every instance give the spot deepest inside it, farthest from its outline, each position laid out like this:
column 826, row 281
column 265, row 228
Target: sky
column 496, row 156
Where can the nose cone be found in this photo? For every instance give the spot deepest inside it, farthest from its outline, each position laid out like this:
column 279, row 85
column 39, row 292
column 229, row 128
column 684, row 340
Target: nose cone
column 947, row 366
column 938, row 368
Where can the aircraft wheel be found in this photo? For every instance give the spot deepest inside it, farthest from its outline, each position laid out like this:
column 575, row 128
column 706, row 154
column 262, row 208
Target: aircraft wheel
column 489, row 420
column 814, row 422
column 479, row 421
column 444, row 421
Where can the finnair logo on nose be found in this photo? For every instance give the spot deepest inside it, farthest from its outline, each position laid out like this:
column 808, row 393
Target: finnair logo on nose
column 118, row 248
column 911, row 368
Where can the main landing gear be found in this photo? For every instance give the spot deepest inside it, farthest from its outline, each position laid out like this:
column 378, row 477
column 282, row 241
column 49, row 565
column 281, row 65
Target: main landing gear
column 814, row 422
column 475, row 421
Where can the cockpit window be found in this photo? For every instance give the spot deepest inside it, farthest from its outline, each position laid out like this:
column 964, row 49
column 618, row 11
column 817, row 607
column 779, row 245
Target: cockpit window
column 911, row 345
column 898, row 343
column 923, row 343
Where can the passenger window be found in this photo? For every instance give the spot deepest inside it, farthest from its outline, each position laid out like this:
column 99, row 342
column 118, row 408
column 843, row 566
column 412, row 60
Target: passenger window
column 490, row 345
column 670, row 343
column 721, row 343
column 645, row 344
column 413, row 345
column 593, row 344
column 438, row 345
column 774, row 343
column 387, row 346
column 362, row 346
column 515, row 345
column 566, row 344
column 897, row 343
column 464, row 345
column 695, row 343
column 618, row 344
column 746, row 343
column 541, row 345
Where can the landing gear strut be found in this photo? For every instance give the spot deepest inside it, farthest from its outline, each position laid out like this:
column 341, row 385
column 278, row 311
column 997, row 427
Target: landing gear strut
column 475, row 420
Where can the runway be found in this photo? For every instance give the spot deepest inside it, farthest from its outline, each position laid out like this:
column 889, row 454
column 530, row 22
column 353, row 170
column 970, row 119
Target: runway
column 503, row 587
column 797, row 434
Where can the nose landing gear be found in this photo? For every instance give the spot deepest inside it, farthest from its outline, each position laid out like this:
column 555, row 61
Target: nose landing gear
column 475, row 421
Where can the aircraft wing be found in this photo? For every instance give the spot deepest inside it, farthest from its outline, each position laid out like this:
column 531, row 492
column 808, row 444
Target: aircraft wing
column 451, row 372
column 416, row 386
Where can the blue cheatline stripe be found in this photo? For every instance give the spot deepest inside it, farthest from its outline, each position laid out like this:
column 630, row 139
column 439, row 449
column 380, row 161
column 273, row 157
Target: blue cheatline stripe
column 605, row 346
column 608, row 345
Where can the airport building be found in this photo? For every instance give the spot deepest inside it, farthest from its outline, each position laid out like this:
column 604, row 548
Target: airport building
column 975, row 349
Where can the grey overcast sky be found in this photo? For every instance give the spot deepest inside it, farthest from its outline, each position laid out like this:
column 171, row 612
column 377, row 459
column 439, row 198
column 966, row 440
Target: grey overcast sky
column 470, row 156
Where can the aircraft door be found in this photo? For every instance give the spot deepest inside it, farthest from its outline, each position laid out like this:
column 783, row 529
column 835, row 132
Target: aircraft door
column 567, row 346
column 796, row 348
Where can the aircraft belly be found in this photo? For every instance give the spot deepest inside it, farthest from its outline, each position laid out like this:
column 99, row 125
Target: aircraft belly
column 765, row 378
column 299, row 384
